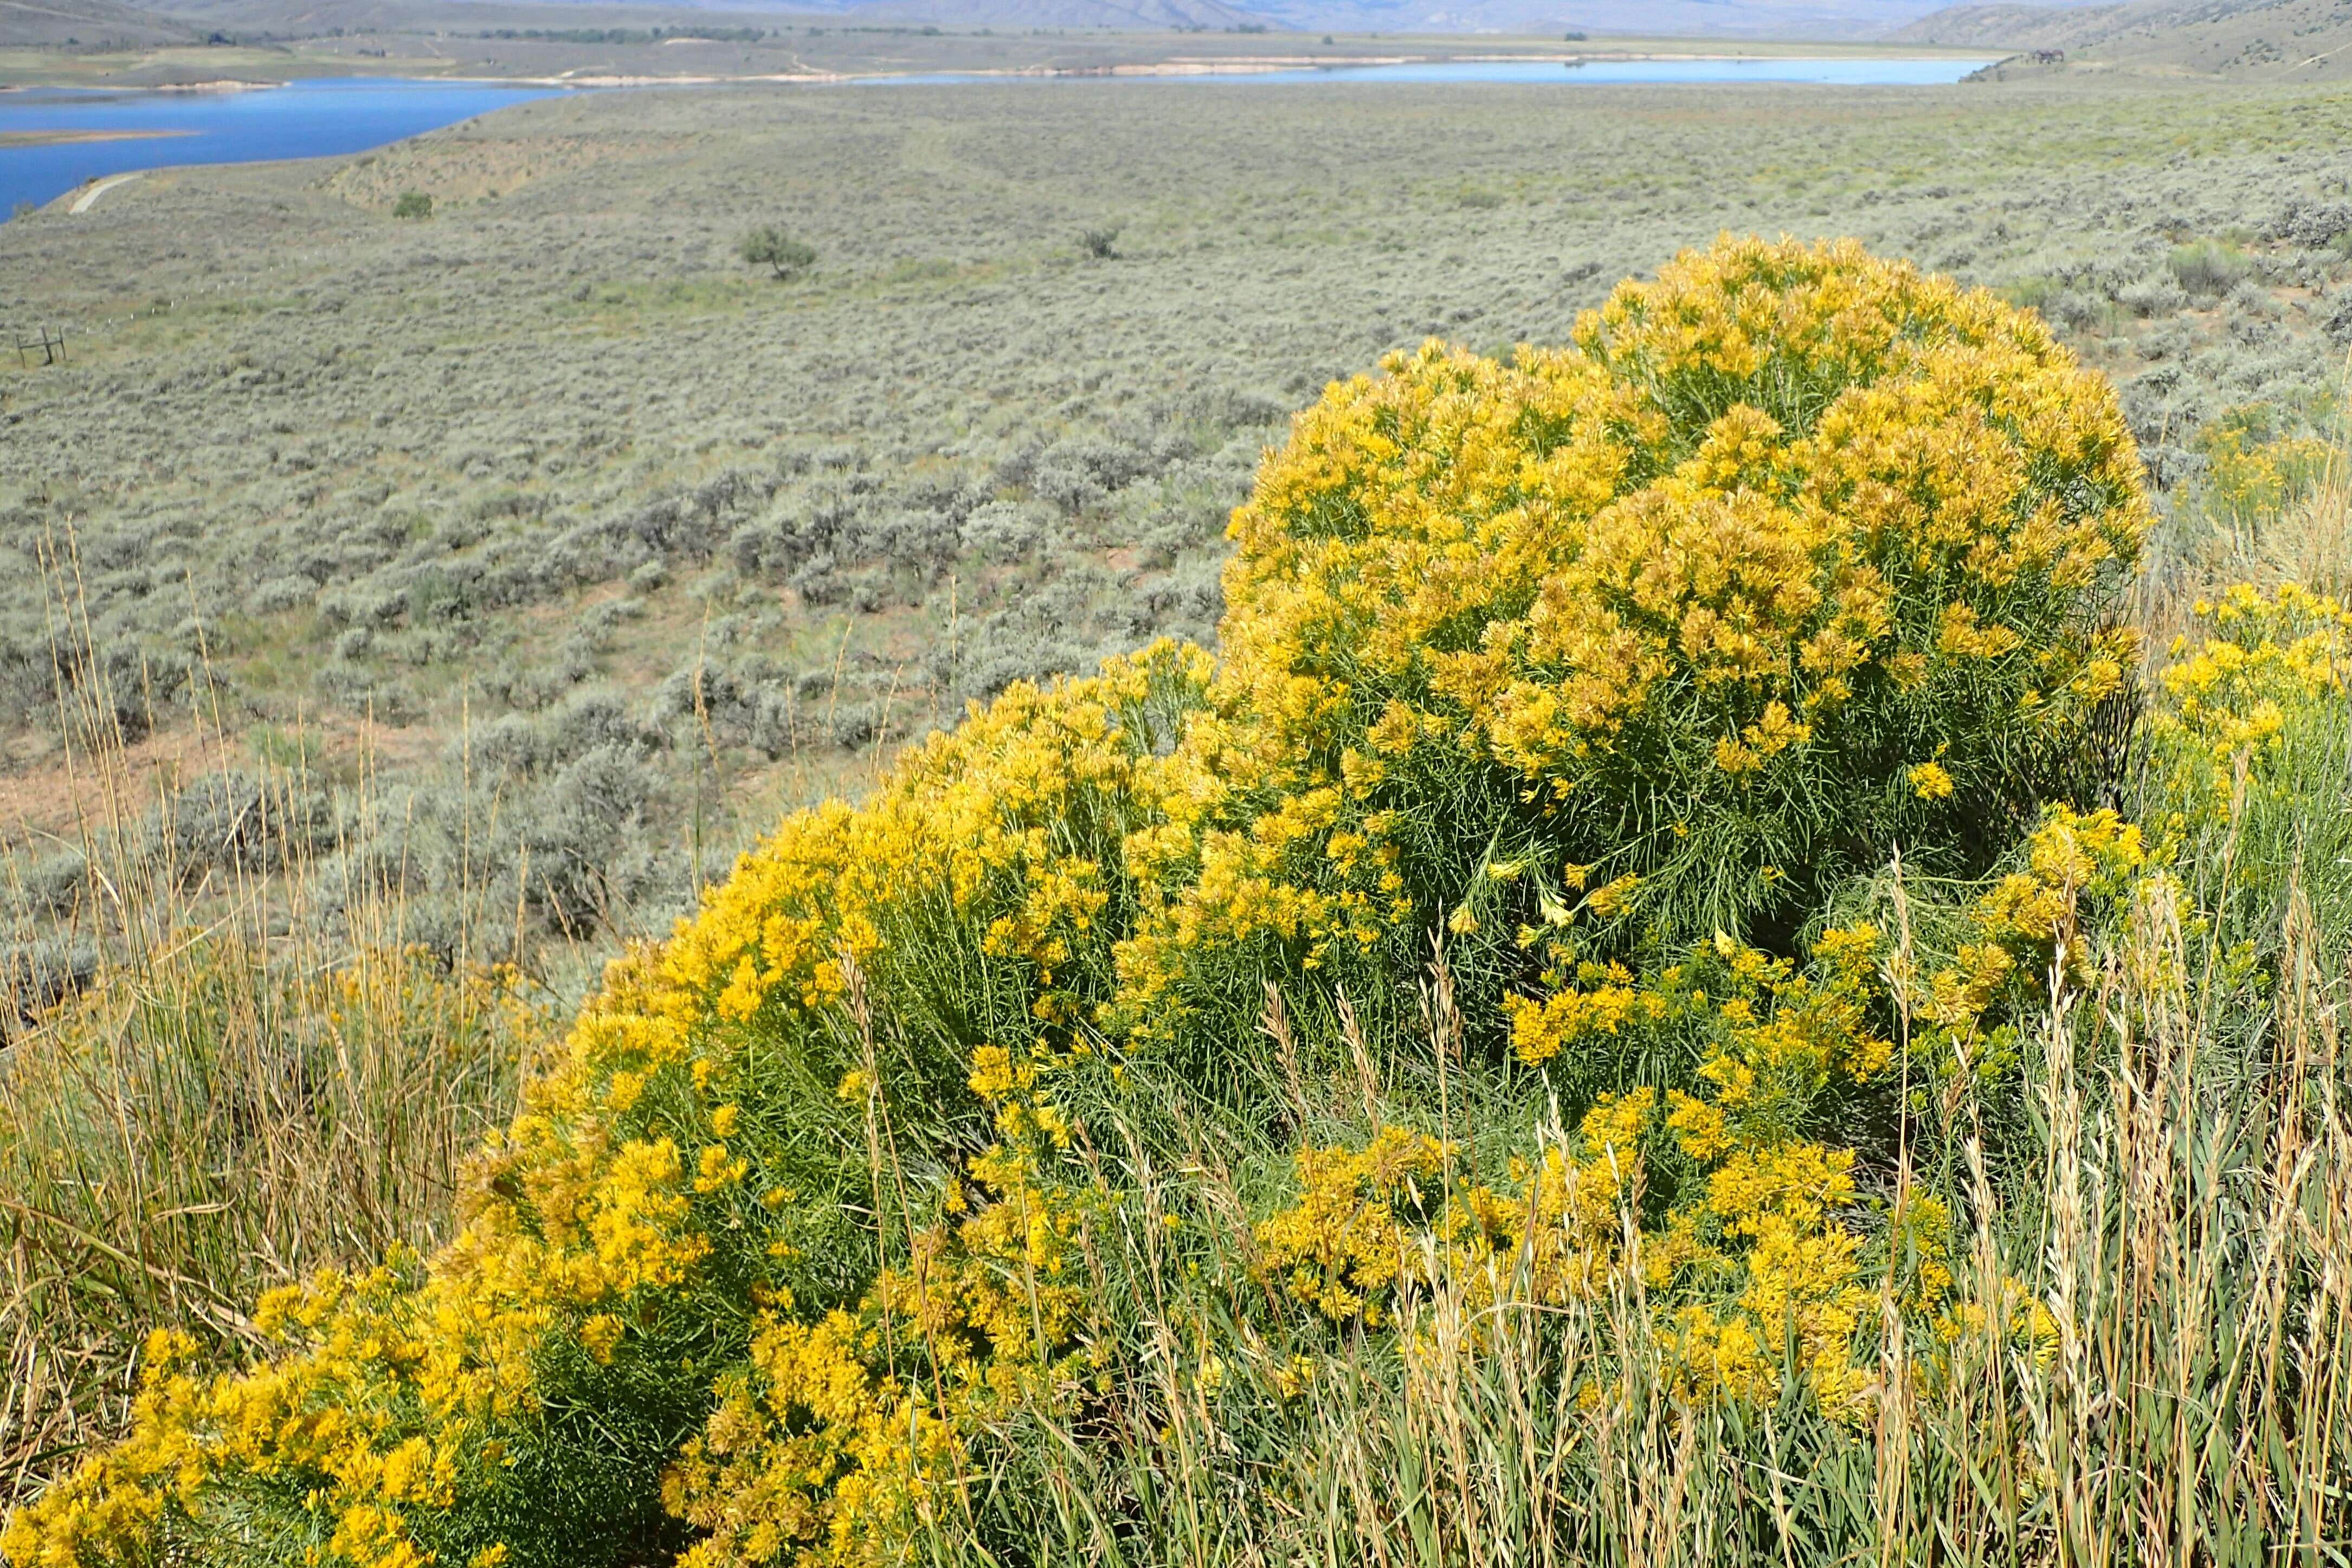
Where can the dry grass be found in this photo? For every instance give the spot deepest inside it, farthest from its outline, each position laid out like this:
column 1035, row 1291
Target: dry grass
column 2148, row 1356
column 207, row 1088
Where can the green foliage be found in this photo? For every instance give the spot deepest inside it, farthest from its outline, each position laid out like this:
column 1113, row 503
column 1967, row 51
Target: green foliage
column 2207, row 268
column 412, row 204
column 776, row 250
column 2256, row 467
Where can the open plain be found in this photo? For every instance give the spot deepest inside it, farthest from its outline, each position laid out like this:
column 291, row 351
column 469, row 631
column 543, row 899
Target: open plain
column 554, row 470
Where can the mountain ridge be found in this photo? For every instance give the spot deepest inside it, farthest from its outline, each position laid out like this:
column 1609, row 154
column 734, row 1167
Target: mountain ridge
column 1148, row 15
column 2267, row 39
column 53, row 24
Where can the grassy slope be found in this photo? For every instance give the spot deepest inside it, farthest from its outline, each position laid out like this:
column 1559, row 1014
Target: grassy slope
column 557, row 443
column 91, row 23
column 2282, row 40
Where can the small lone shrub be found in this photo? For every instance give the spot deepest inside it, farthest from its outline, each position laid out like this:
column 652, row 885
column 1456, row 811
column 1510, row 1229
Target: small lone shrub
column 412, row 204
column 2209, row 267
column 1098, row 244
column 771, row 248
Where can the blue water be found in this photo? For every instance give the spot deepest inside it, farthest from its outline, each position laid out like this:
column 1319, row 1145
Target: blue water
column 342, row 115
column 1840, row 72
column 304, row 119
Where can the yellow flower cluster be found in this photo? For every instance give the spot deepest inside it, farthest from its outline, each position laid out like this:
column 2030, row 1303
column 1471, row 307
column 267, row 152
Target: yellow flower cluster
column 2070, row 856
column 845, row 1435
column 1573, row 1017
column 1402, row 1213
column 2263, row 659
column 1802, row 1297
column 1774, row 1215
column 810, row 1455
column 337, row 1422
column 2073, row 873
column 2253, row 472
column 1757, row 1256
column 1344, row 1245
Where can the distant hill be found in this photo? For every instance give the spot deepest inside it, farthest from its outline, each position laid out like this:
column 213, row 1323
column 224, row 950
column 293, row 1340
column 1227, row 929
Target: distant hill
column 296, row 18
column 2007, row 27
column 1699, row 18
column 1849, row 19
column 1840, row 19
column 2296, row 40
column 1143, row 14
column 1822, row 19
column 53, row 24
column 56, row 21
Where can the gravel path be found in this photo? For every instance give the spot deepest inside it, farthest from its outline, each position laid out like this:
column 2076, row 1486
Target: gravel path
column 88, row 198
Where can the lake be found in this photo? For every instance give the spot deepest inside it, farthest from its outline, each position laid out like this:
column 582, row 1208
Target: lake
column 146, row 130
column 120, row 131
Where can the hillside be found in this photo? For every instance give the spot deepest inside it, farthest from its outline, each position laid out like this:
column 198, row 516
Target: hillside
column 2008, row 27
column 299, row 18
column 1819, row 19
column 2293, row 40
column 1697, row 18
column 54, row 22
column 50, row 24
column 1148, row 14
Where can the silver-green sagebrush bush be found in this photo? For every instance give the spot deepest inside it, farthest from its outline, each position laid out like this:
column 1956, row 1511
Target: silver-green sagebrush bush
column 1648, row 1007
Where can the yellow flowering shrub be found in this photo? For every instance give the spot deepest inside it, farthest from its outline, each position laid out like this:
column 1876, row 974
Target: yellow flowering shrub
column 2253, row 470
column 2251, row 750
column 1793, row 555
column 682, row 1175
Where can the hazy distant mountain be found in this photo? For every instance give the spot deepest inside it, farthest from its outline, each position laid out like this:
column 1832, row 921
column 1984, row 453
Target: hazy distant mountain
column 2008, row 27
column 1147, row 14
column 54, row 21
column 1730, row 19
column 2302, row 41
column 1851, row 19
column 1846, row 19
column 86, row 23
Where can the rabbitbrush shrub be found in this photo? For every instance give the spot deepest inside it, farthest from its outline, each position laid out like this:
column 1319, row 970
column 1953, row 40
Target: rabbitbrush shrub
column 1565, row 1036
